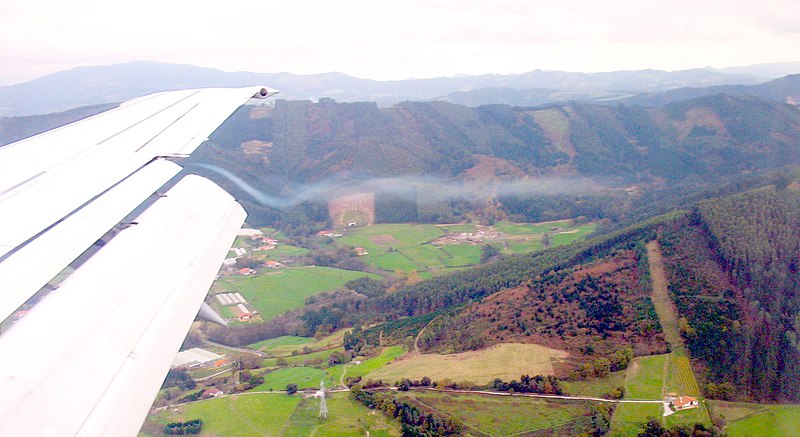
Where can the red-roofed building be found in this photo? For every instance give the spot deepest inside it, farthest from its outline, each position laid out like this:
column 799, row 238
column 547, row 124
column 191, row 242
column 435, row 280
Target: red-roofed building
column 684, row 402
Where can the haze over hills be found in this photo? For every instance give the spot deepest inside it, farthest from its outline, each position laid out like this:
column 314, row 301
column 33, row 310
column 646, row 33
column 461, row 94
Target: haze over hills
column 730, row 261
column 115, row 83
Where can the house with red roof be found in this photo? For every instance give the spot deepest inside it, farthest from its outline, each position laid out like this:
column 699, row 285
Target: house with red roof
column 684, row 403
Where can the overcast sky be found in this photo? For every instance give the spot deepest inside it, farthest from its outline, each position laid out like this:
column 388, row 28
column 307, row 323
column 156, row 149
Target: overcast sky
column 397, row 39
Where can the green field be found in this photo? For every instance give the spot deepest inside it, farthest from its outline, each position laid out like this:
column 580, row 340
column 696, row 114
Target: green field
column 368, row 366
column 310, row 359
column 345, row 418
column 304, row 377
column 281, row 345
column 466, row 227
column 265, row 414
column 562, row 238
column 629, row 418
column 504, row 416
column 274, row 293
column 595, row 387
column 743, row 419
column 645, row 378
column 522, row 246
column 280, row 253
column 402, row 247
column 286, row 345
column 243, row 415
column 531, row 228
column 461, row 254
column 406, row 247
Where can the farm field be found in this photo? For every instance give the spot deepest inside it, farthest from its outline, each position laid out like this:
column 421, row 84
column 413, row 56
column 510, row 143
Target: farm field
column 680, row 378
column 645, row 378
column 506, row 361
column 531, row 228
column 280, row 253
column 408, row 247
column 346, row 418
column 273, row 293
column 276, row 414
column 284, row 346
column 570, row 236
column 304, row 377
column 505, row 416
column 649, row 378
column 367, row 367
column 281, row 345
column 243, row 415
column 303, row 359
column 744, row 419
column 595, row 387
column 628, row 418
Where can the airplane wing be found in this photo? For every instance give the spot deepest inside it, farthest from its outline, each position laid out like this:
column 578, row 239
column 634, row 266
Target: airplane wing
column 89, row 355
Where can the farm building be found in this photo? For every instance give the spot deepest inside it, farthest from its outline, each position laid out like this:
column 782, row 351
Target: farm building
column 239, row 251
column 194, row 357
column 229, row 262
column 684, row 403
column 247, row 232
column 212, row 392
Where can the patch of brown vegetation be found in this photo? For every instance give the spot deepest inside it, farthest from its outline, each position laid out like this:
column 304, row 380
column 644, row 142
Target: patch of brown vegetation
column 556, row 129
column 260, row 111
column 491, row 168
column 705, row 117
column 593, row 309
column 363, row 203
column 256, row 147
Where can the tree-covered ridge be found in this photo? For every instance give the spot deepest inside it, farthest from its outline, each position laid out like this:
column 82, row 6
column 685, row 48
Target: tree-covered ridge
column 734, row 277
column 709, row 137
column 757, row 237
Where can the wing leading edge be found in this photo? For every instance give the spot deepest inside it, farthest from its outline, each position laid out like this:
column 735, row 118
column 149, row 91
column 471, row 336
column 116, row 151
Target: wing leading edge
column 91, row 355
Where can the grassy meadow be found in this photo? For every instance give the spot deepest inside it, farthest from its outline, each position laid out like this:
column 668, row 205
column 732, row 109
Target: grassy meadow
column 595, row 387
column 275, row 414
column 275, row 292
column 504, row 416
column 408, row 247
column 506, row 361
column 745, row 419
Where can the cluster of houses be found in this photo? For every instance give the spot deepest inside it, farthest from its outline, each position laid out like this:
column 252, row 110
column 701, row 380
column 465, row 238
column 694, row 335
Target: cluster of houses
column 263, row 243
column 260, row 243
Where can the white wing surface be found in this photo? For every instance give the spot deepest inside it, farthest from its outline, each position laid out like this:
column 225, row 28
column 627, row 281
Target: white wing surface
column 89, row 357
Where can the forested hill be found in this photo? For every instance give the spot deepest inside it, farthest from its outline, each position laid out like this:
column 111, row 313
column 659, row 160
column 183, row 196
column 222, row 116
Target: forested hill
column 703, row 139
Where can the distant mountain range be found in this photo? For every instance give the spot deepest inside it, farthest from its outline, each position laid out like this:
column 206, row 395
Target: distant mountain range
column 116, row 83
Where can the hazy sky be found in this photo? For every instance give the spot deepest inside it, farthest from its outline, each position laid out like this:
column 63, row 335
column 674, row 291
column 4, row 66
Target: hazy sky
column 397, row 39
